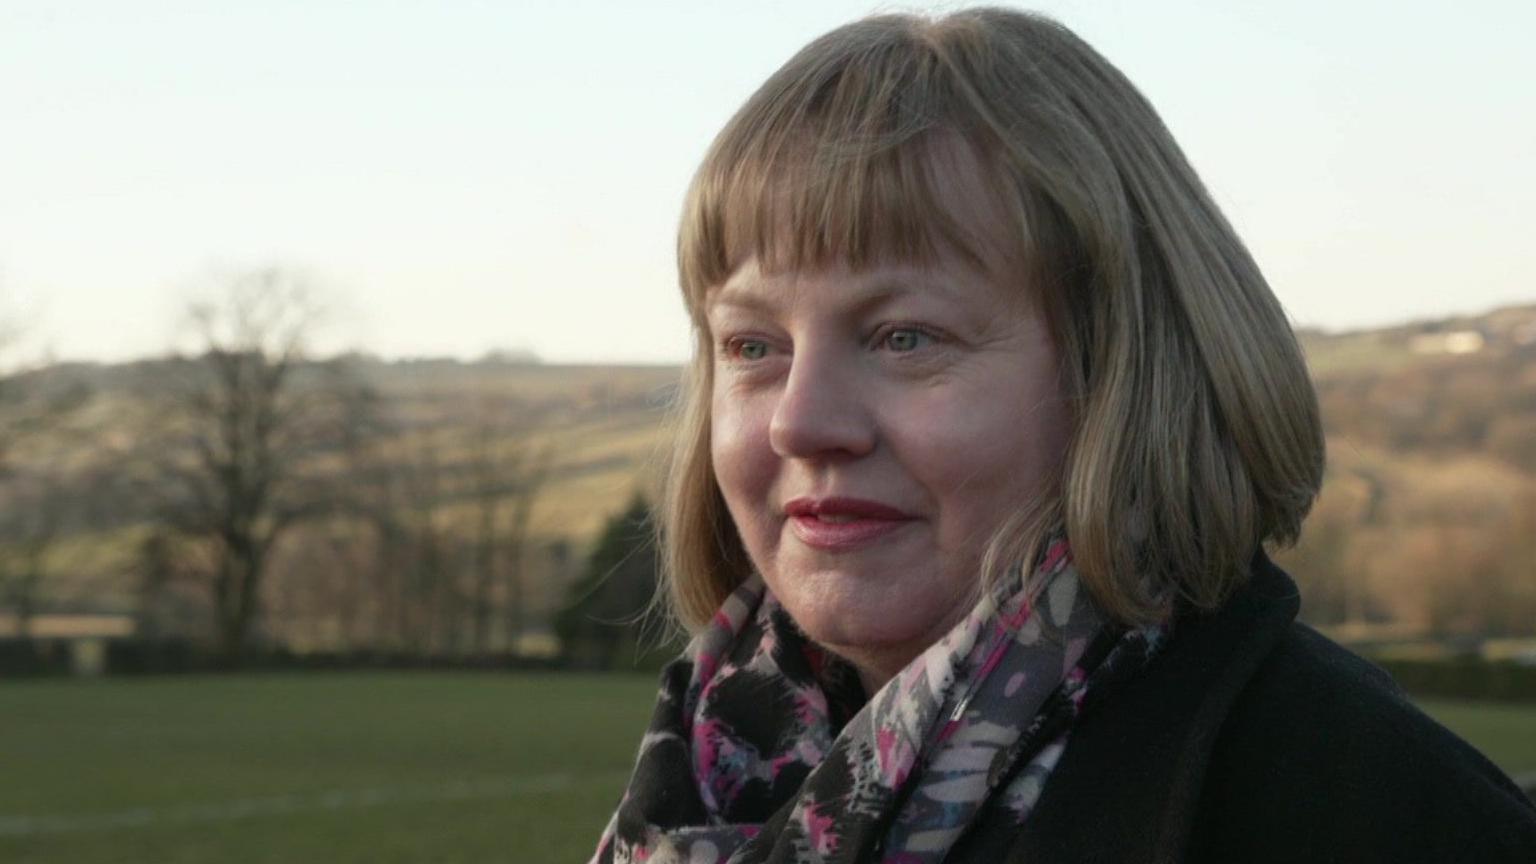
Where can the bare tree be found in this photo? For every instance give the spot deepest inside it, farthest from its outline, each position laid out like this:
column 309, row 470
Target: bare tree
column 36, row 505
column 488, row 457
column 154, row 571
column 333, row 574
column 508, row 472
column 524, row 494
column 248, row 426
column 421, row 580
column 37, row 493
column 401, row 496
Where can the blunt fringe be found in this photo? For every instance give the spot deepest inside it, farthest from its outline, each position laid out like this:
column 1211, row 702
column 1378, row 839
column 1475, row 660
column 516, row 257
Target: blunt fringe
column 1196, row 437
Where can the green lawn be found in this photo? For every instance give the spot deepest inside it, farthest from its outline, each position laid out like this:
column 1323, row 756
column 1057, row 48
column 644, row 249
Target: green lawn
column 360, row 767
column 1506, row 733
column 325, row 768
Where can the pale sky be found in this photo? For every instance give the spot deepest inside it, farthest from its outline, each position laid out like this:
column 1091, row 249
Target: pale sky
column 467, row 176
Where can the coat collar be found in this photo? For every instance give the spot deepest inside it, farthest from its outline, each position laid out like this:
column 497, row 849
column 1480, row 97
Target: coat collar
column 1128, row 785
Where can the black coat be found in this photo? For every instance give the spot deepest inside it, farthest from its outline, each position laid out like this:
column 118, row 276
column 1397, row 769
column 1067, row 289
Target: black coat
column 1252, row 738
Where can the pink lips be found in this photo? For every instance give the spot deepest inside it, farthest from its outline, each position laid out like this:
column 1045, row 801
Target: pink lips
column 857, row 522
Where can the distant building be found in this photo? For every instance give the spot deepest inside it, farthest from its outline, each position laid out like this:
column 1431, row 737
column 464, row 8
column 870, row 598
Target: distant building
column 1453, row 342
column 81, row 637
column 84, row 625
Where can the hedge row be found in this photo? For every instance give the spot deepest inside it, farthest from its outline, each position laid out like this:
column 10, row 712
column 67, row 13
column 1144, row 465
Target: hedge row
column 52, row 658
column 27, row 658
column 1462, row 678
column 1496, row 680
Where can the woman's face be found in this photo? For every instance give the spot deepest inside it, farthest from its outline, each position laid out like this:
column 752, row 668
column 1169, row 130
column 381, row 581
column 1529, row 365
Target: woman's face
column 871, row 431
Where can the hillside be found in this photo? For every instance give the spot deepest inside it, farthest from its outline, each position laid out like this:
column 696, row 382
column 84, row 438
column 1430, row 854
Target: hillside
column 587, row 433
column 1426, row 523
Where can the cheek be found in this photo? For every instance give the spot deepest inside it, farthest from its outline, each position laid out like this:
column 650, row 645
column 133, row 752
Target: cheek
column 739, row 452
column 982, row 455
column 1034, row 446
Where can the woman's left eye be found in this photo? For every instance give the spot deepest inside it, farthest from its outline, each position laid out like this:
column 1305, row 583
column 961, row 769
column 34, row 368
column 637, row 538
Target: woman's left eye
column 904, row 339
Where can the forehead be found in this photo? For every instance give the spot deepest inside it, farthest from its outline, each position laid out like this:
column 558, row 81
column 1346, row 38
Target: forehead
column 818, row 205
column 954, row 215
column 949, row 283
column 971, row 195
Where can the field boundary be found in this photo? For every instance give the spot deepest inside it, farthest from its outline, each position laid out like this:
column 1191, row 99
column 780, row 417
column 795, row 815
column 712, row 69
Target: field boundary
column 1527, row 783
column 315, row 802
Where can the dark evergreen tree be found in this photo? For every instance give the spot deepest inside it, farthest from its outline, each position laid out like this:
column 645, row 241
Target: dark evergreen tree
column 605, row 624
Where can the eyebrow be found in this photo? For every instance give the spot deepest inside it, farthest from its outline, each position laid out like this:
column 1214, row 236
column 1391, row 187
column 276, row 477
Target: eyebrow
column 872, row 292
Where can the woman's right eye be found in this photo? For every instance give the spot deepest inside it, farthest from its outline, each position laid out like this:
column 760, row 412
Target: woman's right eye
column 739, row 348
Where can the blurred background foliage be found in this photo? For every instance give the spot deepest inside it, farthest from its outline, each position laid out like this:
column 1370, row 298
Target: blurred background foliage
column 243, row 501
column 327, row 526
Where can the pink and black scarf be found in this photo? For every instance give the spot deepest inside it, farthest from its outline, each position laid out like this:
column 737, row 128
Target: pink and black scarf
column 762, row 747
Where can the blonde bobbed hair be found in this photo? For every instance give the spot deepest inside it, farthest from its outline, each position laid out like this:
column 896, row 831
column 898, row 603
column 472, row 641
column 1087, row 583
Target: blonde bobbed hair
column 1195, row 437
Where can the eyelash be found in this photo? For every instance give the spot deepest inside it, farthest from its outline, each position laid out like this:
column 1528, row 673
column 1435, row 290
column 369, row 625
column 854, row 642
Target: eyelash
column 883, row 335
column 731, row 347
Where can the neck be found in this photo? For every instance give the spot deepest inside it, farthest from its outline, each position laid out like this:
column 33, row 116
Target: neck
column 873, row 680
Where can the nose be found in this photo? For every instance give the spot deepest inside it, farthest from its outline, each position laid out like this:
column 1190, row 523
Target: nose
column 822, row 411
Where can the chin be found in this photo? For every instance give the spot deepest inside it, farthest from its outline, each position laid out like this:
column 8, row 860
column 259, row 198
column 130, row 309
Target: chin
column 882, row 636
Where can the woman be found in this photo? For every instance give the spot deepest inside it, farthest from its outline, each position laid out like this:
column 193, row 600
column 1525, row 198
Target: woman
column 961, row 303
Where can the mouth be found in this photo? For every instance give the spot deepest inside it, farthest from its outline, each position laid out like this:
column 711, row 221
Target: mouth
column 843, row 524
column 836, row 518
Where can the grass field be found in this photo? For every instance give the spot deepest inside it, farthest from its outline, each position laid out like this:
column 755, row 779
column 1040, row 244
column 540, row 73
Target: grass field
column 324, row 768
column 359, row 767
column 1506, row 733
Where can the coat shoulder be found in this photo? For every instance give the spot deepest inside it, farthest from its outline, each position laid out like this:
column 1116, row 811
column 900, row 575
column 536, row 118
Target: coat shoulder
column 1321, row 757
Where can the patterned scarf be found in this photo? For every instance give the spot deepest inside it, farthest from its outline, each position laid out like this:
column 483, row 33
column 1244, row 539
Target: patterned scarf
column 760, row 751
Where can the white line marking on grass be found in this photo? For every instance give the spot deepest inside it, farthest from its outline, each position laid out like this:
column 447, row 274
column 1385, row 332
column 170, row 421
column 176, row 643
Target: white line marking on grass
column 279, row 805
